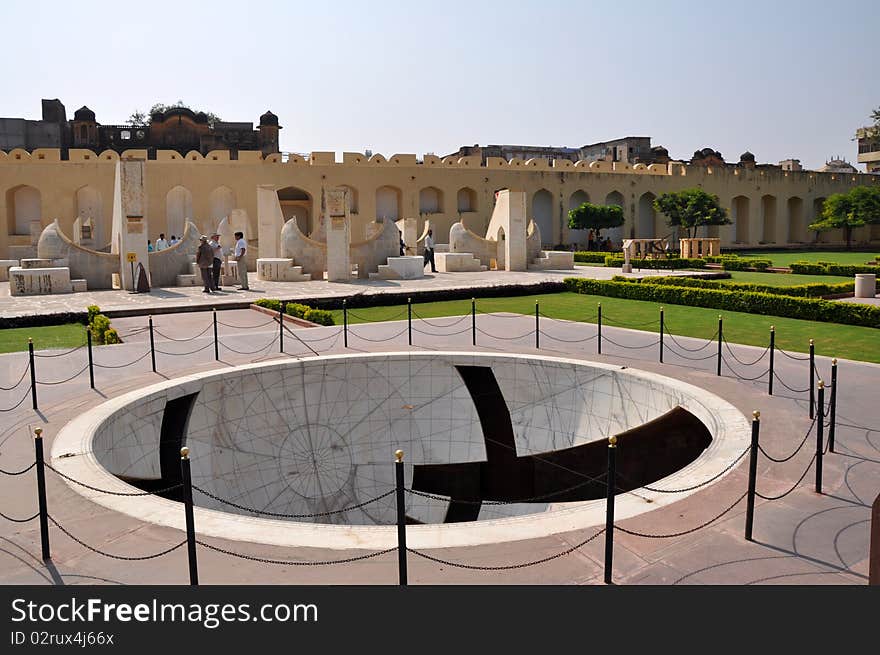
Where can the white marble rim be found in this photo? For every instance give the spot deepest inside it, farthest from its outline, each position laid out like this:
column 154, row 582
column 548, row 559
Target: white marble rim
column 72, row 454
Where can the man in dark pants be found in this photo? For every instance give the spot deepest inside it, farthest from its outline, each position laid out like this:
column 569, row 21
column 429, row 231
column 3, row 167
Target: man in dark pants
column 217, row 249
column 205, row 262
column 429, row 250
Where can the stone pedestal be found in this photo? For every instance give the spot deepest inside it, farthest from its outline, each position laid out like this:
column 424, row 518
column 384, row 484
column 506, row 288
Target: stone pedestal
column 338, row 229
column 457, row 262
column 553, row 260
column 280, row 269
column 401, row 268
column 39, row 281
column 866, row 285
column 36, row 263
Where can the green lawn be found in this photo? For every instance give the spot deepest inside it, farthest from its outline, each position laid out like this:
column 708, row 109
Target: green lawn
column 784, row 279
column 789, row 256
column 846, row 341
column 55, row 336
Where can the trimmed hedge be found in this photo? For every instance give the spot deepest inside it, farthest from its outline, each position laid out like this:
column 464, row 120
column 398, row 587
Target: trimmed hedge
column 587, row 257
column 800, row 290
column 809, row 309
column 742, row 264
column 830, row 268
column 616, row 261
column 297, row 310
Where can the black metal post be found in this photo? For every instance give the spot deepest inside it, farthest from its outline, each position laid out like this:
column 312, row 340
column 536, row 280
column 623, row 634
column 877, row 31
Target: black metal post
column 33, row 372
column 401, row 519
column 186, row 477
column 832, row 420
column 753, row 474
column 720, row 338
column 409, row 319
column 474, row 321
column 812, row 379
column 611, row 486
column 537, row 328
column 281, row 327
column 662, row 325
column 91, row 361
column 133, row 281
column 820, row 430
column 216, row 340
column 599, row 333
column 41, row 492
column 772, row 358
column 345, row 322
column 152, row 346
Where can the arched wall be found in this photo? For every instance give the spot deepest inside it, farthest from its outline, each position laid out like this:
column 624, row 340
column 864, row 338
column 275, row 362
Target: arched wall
column 297, row 203
column 222, row 202
column 24, row 204
column 542, row 214
column 768, row 219
column 739, row 214
column 178, row 210
column 797, row 227
column 89, row 205
column 615, row 233
column 388, row 202
column 430, row 200
column 466, row 200
column 578, row 238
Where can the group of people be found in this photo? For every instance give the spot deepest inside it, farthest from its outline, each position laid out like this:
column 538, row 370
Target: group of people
column 161, row 244
column 595, row 242
column 209, row 259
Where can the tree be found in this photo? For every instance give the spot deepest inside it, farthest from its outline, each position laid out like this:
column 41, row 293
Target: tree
column 596, row 217
column 140, row 118
column 855, row 208
column 690, row 209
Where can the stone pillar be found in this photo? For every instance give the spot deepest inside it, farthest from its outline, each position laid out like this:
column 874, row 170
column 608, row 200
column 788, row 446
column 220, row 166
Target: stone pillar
column 338, row 226
column 515, row 230
column 270, row 220
column 130, row 226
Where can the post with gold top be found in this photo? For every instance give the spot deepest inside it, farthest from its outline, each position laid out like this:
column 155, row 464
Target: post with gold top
column 216, row 340
column 720, row 339
column 282, row 308
column 820, row 434
column 611, row 486
column 152, row 345
column 599, row 327
column 812, row 379
column 345, row 322
column 41, row 492
column 753, row 474
column 662, row 326
column 832, row 419
column 537, row 327
column 186, row 478
column 91, row 361
column 409, row 320
column 401, row 518
column 33, row 372
column 772, row 353
column 473, row 321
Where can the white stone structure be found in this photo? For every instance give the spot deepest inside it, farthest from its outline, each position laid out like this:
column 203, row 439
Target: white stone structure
column 279, row 269
column 699, row 247
column 508, row 227
column 408, row 267
column 337, row 223
column 130, row 226
column 42, row 281
column 457, row 262
column 866, row 285
column 5, row 265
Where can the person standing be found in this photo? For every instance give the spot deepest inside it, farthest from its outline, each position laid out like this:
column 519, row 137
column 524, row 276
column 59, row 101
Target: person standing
column 217, row 249
column 429, row 250
column 149, row 246
column 161, row 244
column 205, row 262
column 174, row 241
column 402, row 245
column 240, row 254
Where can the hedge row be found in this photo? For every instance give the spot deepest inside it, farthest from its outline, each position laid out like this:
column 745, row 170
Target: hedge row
column 738, row 264
column 297, row 310
column 810, row 309
column 800, row 290
column 587, row 257
column 100, row 325
column 830, row 268
column 616, row 261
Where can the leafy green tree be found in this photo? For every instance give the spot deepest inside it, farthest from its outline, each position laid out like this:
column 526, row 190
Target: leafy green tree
column 595, row 217
column 690, row 209
column 139, row 118
column 857, row 207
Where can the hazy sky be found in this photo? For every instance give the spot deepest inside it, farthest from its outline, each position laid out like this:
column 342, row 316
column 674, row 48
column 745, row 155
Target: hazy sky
column 777, row 77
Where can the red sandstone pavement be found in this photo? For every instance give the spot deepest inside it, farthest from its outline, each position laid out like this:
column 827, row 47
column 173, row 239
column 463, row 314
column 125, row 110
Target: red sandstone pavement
column 804, row 538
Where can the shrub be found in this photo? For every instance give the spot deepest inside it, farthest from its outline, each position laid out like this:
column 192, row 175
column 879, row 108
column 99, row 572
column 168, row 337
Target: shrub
column 742, row 264
column 298, row 310
column 800, row 290
column 93, row 311
column 616, row 261
column 111, row 336
column 587, row 257
column 319, row 316
column 830, row 268
column 811, row 309
column 269, row 303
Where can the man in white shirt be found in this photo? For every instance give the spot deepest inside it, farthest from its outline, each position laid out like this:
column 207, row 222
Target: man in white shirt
column 240, row 254
column 161, row 244
column 218, row 259
column 429, row 250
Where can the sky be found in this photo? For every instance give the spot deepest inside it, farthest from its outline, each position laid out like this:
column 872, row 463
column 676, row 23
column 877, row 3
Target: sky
column 779, row 78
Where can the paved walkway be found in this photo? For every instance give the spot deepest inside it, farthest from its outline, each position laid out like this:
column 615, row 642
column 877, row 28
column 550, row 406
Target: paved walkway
column 803, row 538
column 189, row 298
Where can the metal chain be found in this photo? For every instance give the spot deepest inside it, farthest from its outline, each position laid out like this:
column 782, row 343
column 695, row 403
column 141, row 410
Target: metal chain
column 23, row 373
column 785, row 459
column 162, row 334
column 394, row 336
column 623, row 324
column 249, row 352
column 492, row 336
column 66, row 352
column 366, row 319
column 688, row 357
column 711, row 341
column 550, row 336
column 440, row 334
column 800, row 359
column 795, row 486
column 620, row 345
column 111, row 555
column 123, row 365
column 425, row 494
column 27, row 392
column 507, row 567
column 21, row 472
column 329, row 336
column 190, row 352
column 113, row 493
column 15, row 520
column 683, row 532
column 292, row 516
column 75, row 375
column 464, row 317
column 246, row 327
column 733, row 354
column 287, row 562
column 513, row 315
column 587, row 319
column 782, row 382
column 695, row 486
column 744, row 378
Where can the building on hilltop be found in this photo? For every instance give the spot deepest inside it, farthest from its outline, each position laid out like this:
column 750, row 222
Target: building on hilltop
column 177, row 128
column 869, row 148
column 631, row 149
column 838, row 165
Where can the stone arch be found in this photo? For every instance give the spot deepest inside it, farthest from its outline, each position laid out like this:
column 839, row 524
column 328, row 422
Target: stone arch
column 830, row 235
column 739, row 214
column 542, row 214
column 178, row 210
column 89, row 206
column 297, row 203
column 24, row 204
column 388, row 202
column 615, row 233
column 797, row 226
column 352, row 198
column 578, row 237
column 646, row 227
column 430, row 200
column 467, row 200
column 768, row 218
column 222, row 202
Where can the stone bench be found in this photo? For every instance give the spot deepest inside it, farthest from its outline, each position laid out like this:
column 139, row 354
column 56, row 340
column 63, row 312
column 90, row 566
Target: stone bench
column 39, row 281
column 554, row 260
column 457, row 262
column 36, row 263
column 401, row 268
column 5, row 265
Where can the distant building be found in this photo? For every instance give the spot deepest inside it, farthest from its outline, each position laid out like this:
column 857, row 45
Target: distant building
column 838, row 165
column 178, row 129
column 869, row 148
column 791, row 165
column 632, row 149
